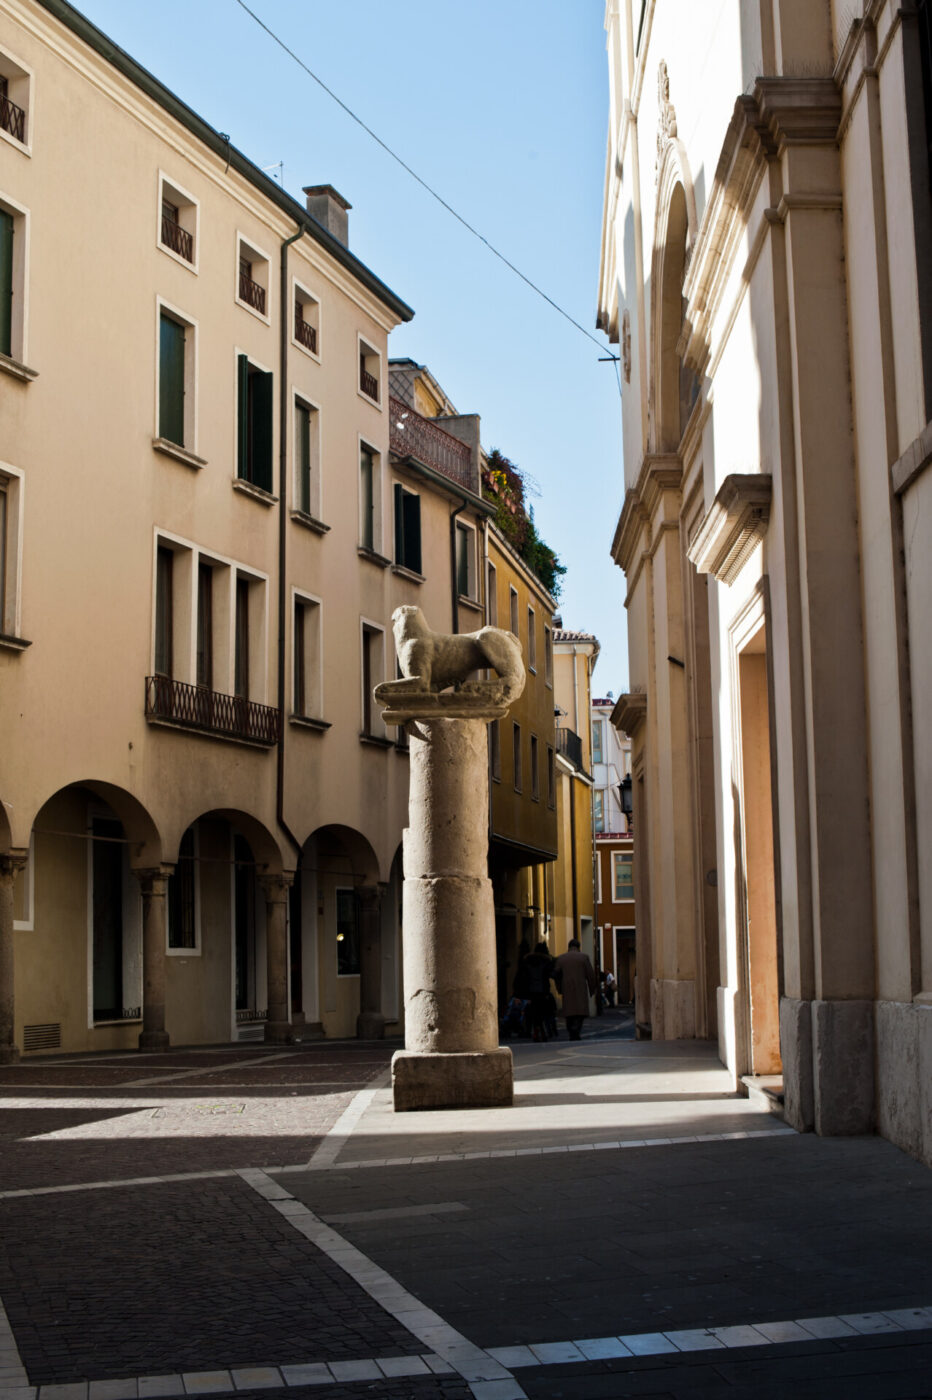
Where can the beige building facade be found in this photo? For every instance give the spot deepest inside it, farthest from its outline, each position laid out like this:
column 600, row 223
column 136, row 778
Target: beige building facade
column 765, row 276
column 207, row 517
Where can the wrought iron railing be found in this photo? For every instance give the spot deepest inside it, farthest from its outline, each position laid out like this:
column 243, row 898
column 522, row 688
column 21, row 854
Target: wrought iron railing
column 569, row 745
column 177, row 238
column 304, row 333
column 368, row 383
column 12, row 118
column 247, row 1014
column 411, row 435
column 251, row 293
column 193, row 707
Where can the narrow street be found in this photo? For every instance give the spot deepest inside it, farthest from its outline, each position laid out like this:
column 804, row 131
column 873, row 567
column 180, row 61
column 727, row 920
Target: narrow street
column 250, row 1220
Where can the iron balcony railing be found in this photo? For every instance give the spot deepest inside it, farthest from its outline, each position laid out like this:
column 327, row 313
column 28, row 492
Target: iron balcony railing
column 246, row 1014
column 177, row 238
column 193, row 707
column 251, row 293
column 368, row 383
column 12, row 118
column 569, row 745
column 304, row 332
column 411, row 435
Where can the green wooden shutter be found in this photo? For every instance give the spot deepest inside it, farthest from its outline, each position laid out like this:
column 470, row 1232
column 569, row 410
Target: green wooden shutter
column 242, row 417
column 304, row 459
column 399, row 525
column 412, row 515
column 6, row 282
column 366, row 499
column 261, row 388
column 171, row 380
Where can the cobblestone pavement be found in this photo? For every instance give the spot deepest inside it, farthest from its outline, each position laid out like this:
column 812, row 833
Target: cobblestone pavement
column 257, row 1221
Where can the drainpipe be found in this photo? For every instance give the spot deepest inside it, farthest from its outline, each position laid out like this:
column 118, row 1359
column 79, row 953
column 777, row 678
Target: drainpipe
column 284, row 313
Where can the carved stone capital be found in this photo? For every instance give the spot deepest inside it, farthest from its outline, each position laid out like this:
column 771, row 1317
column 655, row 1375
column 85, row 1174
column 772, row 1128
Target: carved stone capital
column 734, row 525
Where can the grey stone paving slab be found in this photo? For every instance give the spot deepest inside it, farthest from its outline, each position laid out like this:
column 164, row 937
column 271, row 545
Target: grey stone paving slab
column 311, row 1373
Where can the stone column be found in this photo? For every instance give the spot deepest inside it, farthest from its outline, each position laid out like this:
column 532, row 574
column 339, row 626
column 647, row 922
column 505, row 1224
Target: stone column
column 278, row 1024
column 10, row 866
column 153, row 885
column 451, row 1057
column 370, row 1023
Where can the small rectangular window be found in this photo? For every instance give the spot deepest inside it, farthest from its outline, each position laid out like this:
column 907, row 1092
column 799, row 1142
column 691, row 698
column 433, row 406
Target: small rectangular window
column 241, row 641
column 15, row 93
column 513, row 602
column 254, row 421
column 372, row 675
column 535, row 771
column 516, row 756
column 597, row 741
column 307, row 670
column 178, row 214
column 306, row 320
column 551, row 778
column 369, row 371
column 407, row 529
column 205, row 626
column 252, row 281
column 491, row 595
column 307, row 459
column 6, row 282
column 598, row 809
column 369, row 516
column 171, row 379
column 11, row 495
column 347, row 933
column 531, row 640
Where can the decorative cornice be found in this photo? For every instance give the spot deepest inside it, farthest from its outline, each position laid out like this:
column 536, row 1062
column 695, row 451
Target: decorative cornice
column 798, row 111
column 629, row 713
column 733, row 526
column 666, row 121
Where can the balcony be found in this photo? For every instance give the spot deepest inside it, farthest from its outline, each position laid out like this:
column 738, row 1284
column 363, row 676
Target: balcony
column 410, row 435
column 368, row 382
column 177, row 238
column 569, row 745
column 251, row 293
column 12, row 118
column 304, row 333
column 208, row 712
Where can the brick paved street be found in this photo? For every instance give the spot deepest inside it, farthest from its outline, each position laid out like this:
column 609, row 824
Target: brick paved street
column 259, row 1222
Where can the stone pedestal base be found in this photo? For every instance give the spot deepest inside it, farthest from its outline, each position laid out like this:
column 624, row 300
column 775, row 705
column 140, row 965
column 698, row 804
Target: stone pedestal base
column 154, row 1040
column 480, row 1079
column 278, row 1033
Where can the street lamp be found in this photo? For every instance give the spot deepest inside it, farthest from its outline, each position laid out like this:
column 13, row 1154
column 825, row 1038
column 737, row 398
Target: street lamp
column 624, row 788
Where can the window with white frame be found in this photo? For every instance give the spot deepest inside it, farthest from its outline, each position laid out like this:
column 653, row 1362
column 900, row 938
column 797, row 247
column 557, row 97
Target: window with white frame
column 465, row 560
column 598, row 809
column 369, row 382
column 307, row 458
column 306, row 324
column 177, row 222
column 513, row 609
column 306, row 658
column 532, row 639
column 491, row 594
column 14, row 260
column 11, row 531
column 622, row 876
column 182, row 898
column 535, row 770
column 15, row 102
column 176, row 380
column 370, row 498
column 252, row 277
column 373, row 672
column 254, row 424
column 407, row 528
column 597, row 741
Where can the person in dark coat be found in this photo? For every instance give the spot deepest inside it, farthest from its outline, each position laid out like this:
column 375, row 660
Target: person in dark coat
column 577, row 981
column 539, row 968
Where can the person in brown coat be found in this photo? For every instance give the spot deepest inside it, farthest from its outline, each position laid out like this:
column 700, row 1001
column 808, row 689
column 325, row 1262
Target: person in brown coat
column 575, row 978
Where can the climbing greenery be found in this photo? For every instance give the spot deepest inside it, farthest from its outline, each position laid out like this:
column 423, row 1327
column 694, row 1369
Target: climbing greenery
column 503, row 486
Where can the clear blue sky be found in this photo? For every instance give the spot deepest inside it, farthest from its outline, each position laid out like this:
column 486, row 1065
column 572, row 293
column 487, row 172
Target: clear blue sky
column 501, row 106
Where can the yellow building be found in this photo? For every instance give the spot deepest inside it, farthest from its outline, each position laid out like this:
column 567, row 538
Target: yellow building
column 207, row 518
column 575, row 656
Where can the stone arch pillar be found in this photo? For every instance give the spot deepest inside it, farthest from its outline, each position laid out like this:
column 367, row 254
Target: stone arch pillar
column 10, row 865
column 153, row 885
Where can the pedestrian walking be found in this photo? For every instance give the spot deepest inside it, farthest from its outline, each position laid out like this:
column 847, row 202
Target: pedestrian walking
column 539, row 967
column 576, row 979
column 610, row 988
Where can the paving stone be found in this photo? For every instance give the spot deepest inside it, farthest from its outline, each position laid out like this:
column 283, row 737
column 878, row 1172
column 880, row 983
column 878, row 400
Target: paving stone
column 207, row 1382
column 311, row 1373
column 402, row 1366
column 256, row 1377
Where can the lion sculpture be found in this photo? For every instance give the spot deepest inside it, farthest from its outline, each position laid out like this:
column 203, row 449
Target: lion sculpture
column 435, row 661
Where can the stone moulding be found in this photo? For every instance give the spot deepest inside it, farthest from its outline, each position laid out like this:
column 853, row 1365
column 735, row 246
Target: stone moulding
column 484, row 700
column 734, row 525
column 629, row 713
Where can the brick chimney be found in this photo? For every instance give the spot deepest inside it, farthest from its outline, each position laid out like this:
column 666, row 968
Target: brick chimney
column 329, row 208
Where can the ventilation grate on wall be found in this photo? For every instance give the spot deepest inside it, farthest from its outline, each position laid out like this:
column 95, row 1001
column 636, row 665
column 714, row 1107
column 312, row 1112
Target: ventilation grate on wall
column 46, row 1037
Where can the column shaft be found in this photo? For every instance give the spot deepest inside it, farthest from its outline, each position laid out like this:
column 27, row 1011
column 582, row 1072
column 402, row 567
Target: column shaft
column 10, row 866
column 153, row 885
column 278, row 1025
